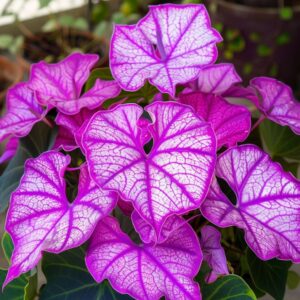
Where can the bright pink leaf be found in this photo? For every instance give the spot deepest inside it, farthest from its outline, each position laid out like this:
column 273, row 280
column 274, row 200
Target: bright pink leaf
column 40, row 218
column 126, row 207
column 231, row 123
column 69, row 133
column 268, row 206
column 22, row 112
column 60, row 85
column 173, row 178
column 168, row 46
column 9, row 150
column 276, row 101
column 144, row 271
column 146, row 232
column 217, row 79
column 213, row 252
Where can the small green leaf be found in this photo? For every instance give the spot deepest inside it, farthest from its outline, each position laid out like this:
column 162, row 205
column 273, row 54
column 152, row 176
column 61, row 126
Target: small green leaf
column 40, row 139
column 279, row 140
column 269, row 276
column 293, row 280
column 286, row 13
column 227, row 287
column 68, row 279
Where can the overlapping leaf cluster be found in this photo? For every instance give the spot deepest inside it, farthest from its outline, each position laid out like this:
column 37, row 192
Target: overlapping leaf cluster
column 134, row 164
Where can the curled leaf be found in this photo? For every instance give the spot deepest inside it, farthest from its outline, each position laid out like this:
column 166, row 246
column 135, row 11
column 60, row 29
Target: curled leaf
column 60, row 85
column 213, row 253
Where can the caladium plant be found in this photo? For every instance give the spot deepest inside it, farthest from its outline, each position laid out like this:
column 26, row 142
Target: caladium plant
column 162, row 197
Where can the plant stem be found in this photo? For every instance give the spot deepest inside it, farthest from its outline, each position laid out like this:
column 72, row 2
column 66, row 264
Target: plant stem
column 257, row 123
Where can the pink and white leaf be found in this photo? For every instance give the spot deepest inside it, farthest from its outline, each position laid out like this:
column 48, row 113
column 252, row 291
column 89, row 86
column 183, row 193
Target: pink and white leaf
column 173, row 178
column 40, row 217
column 147, row 233
column 276, row 101
column 168, row 46
column 60, row 85
column 144, row 271
column 22, row 112
column 231, row 123
column 213, row 253
column 268, row 206
column 217, row 79
column 69, row 133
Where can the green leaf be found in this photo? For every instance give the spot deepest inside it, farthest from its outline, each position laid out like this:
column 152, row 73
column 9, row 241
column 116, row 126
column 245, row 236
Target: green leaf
column 269, row 276
column 40, row 139
column 279, row 140
column 23, row 287
column 143, row 95
column 293, row 280
column 68, row 279
column 227, row 287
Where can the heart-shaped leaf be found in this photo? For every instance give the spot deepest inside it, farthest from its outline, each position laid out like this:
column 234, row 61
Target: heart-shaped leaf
column 173, row 178
column 40, row 218
column 145, row 272
column 268, row 206
column 168, row 46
